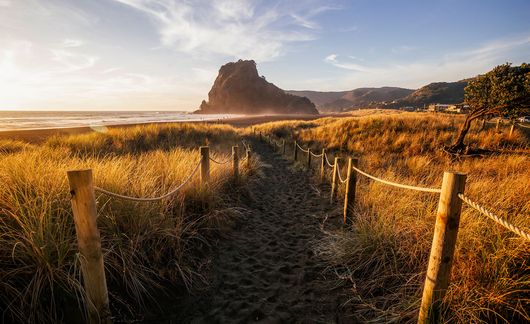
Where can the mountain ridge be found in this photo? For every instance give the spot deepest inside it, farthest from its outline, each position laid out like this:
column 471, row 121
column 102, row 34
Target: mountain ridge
column 386, row 97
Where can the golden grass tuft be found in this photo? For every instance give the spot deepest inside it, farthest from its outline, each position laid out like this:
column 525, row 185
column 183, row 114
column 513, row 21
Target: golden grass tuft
column 386, row 252
column 144, row 244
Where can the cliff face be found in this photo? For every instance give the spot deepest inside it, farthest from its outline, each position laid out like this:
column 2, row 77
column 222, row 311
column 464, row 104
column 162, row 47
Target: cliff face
column 238, row 89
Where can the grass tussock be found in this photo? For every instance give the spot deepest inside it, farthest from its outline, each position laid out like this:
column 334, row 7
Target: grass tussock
column 386, row 252
column 146, row 245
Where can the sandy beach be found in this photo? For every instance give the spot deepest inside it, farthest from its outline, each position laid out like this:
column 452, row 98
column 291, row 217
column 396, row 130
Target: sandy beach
column 40, row 135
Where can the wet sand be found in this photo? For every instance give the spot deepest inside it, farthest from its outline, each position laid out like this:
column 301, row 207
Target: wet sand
column 40, row 135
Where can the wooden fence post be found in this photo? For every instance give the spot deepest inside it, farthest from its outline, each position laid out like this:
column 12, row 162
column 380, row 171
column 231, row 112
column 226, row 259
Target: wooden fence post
column 235, row 163
column 498, row 124
column 334, row 179
column 511, row 129
column 323, row 165
column 295, row 150
column 249, row 154
column 260, row 136
column 349, row 191
column 443, row 245
column 83, row 202
column 283, row 147
column 205, row 164
column 308, row 158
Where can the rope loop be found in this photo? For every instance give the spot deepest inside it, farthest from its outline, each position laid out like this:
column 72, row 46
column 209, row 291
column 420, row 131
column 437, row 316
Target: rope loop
column 327, row 161
column 218, row 162
column 495, row 218
column 398, row 185
column 301, row 148
column 169, row 194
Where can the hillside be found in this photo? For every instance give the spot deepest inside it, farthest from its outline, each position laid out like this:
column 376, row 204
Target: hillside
column 357, row 98
column 387, row 97
column 238, row 89
column 319, row 98
column 436, row 92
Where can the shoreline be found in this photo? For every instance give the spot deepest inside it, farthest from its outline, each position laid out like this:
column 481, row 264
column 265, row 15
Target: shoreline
column 38, row 135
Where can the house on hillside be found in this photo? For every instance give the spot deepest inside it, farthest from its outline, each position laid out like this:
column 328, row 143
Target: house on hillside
column 456, row 108
column 438, row 107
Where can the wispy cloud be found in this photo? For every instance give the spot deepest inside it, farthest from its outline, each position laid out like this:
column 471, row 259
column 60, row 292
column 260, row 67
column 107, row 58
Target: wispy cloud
column 71, row 61
column 72, row 43
column 235, row 28
column 33, row 76
column 403, row 49
column 333, row 60
column 446, row 67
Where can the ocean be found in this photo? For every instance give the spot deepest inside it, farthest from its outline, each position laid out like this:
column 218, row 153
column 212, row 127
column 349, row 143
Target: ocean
column 13, row 120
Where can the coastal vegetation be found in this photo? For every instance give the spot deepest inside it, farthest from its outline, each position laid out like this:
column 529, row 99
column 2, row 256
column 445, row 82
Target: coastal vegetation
column 384, row 253
column 146, row 245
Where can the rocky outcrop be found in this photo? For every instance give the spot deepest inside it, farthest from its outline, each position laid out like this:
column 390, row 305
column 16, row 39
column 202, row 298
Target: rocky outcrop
column 238, row 89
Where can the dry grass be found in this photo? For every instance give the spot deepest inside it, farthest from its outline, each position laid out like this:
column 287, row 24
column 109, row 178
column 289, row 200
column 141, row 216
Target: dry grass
column 386, row 251
column 145, row 244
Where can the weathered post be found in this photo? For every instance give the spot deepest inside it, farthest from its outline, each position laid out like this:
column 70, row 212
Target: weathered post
column 334, row 179
column 308, row 158
column 205, row 164
column 443, row 245
column 235, row 163
column 83, row 203
column 323, row 165
column 295, row 150
column 511, row 129
column 498, row 124
column 283, row 147
column 249, row 155
column 260, row 137
column 349, row 191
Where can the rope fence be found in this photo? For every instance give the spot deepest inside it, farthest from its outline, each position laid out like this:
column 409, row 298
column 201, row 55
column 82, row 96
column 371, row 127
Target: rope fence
column 169, row 194
column 339, row 176
column 302, row 149
column 327, row 161
column 494, row 217
column 447, row 220
column 398, row 185
column 218, row 162
column 84, row 208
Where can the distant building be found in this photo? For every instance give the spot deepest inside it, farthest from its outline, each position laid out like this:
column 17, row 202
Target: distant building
column 455, row 108
column 438, row 107
column 408, row 108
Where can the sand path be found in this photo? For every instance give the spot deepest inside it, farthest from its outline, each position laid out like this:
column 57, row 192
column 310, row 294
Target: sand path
column 265, row 270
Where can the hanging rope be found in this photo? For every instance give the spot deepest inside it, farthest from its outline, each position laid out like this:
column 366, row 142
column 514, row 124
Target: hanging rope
column 398, row 185
column 301, row 149
column 169, row 194
column 327, row 161
column 495, row 218
column 338, row 173
column 224, row 162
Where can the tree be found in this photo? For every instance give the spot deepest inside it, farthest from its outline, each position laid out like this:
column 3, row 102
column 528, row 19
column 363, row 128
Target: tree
column 503, row 91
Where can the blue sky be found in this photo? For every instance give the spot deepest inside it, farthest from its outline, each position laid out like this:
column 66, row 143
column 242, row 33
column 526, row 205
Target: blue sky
column 165, row 54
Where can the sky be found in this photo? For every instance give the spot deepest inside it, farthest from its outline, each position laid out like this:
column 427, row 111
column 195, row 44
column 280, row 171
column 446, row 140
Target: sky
column 165, row 54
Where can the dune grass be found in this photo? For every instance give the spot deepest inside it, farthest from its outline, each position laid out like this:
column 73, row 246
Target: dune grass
column 147, row 246
column 386, row 250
